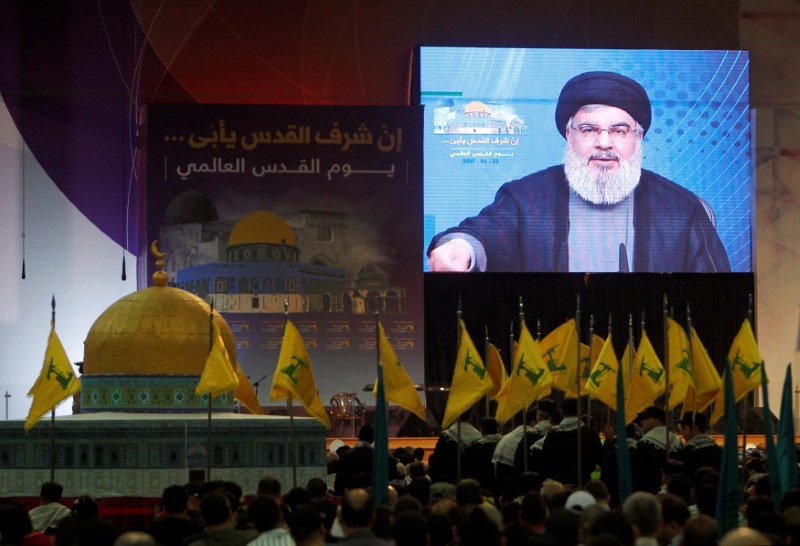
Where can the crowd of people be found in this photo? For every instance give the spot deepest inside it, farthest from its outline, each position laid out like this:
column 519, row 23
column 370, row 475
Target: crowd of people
column 549, row 482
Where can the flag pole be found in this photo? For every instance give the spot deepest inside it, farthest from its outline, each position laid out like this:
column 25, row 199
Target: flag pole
column 631, row 346
column 511, row 351
column 458, row 419
column 608, row 409
column 664, row 326
column 289, row 409
column 380, row 457
column 588, row 365
column 210, row 397
column 525, row 409
column 744, row 399
column 486, row 359
column 580, row 412
column 52, row 411
column 690, row 335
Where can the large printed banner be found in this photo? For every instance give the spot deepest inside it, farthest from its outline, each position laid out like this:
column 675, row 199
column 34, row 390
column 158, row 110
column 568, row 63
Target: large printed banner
column 313, row 211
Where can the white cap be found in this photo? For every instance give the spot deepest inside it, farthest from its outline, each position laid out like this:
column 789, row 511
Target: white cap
column 578, row 500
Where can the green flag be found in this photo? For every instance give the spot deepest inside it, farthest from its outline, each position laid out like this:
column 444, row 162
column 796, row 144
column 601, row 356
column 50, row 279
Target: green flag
column 730, row 492
column 787, row 456
column 624, row 474
column 380, row 455
column 774, row 477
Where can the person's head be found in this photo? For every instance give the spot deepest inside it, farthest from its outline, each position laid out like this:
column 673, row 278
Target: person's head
column 510, row 512
column 468, row 491
column 174, row 499
column 692, row 424
column 475, row 528
column 420, row 489
column 613, row 523
column 564, row 526
column 366, row 433
column 195, row 492
column 700, row 530
column 216, row 510
column 358, row 510
column 554, row 494
column 533, row 512
column 269, row 485
column 14, row 523
column 409, row 529
column 681, row 486
column 265, row 513
column 545, row 409
column 440, row 529
column 652, row 417
column 744, row 536
column 772, row 525
column 317, row 487
column 489, row 425
column 51, row 492
column 603, row 116
column 85, row 507
column 135, row 538
column 757, row 505
column 569, row 407
column 644, row 512
column 599, row 490
column 406, row 503
column 674, row 513
column 295, row 496
column 528, row 481
column 235, row 492
column 382, row 522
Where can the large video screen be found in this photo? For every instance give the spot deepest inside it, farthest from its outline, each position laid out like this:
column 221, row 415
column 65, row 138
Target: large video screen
column 586, row 160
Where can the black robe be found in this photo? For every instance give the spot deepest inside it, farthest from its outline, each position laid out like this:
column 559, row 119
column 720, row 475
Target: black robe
column 526, row 228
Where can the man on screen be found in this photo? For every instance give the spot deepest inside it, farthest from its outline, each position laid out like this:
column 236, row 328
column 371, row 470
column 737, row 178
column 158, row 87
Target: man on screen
column 599, row 210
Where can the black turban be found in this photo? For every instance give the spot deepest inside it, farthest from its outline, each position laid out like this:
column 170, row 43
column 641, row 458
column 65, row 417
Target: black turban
column 607, row 88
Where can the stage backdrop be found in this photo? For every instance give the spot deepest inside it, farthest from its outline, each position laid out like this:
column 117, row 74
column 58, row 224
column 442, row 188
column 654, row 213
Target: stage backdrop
column 316, row 208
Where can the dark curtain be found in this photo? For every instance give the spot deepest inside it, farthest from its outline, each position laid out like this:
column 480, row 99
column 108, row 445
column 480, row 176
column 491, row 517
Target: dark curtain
column 490, row 302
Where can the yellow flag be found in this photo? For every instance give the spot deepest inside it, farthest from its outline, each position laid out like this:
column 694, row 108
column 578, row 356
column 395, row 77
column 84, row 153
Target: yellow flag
column 529, row 381
column 55, row 383
column 294, row 376
column 707, row 382
column 497, row 371
column 681, row 367
column 398, row 385
column 218, row 374
column 745, row 360
column 471, row 380
column 602, row 382
column 647, row 381
column 560, row 352
column 589, row 358
column 245, row 394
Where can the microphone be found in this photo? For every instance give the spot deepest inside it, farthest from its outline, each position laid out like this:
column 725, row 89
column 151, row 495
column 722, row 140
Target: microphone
column 623, row 259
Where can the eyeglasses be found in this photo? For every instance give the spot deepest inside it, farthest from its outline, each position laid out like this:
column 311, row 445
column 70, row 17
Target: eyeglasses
column 592, row 132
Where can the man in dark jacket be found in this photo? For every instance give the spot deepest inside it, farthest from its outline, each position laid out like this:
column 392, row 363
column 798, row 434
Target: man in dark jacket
column 650, row 452
column 599, row 210
column 560, row 453
column 700, row 448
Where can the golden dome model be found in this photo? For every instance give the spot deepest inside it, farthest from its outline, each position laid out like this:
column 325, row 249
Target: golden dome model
column 476, row 107
column 261, row 227
column 156, row 338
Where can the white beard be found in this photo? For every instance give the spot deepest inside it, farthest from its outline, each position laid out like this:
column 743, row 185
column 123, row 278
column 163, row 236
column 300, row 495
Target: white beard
column 604, row 187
